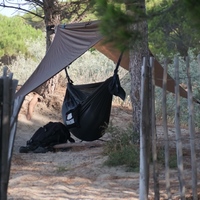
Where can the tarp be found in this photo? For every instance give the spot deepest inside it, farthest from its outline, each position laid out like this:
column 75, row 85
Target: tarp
column 114, row 54
column 70, row 42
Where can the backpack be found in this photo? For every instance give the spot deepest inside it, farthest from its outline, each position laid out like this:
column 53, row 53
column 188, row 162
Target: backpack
column 46, row 137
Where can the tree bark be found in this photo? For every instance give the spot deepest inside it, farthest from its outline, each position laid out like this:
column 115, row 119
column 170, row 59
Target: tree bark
column 137, row 52
column 141, row 123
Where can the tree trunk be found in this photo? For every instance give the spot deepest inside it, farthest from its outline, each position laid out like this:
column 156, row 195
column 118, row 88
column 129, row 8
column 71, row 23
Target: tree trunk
column 52, row 19
column 137, row 52
column 141, row 124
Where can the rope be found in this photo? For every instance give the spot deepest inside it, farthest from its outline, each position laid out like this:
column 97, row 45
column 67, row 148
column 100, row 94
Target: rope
column 118, row 63
column 67, row 76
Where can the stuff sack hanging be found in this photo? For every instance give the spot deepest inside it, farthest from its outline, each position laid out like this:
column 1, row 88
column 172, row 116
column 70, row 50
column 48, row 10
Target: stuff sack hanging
column 86, row 108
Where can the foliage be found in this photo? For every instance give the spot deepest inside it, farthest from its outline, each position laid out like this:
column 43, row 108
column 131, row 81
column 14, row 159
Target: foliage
column 116, row 18
column 120, row 148
column 161, row 157
column 69, row 11
column 21, row 67
column 193, row 9
column 35, row 21
column 122, row 151
column 170, row 29
column 169, row 25
column 14, row 35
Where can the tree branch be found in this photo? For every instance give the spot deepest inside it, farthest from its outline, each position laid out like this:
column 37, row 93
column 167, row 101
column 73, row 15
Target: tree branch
column 21, row 9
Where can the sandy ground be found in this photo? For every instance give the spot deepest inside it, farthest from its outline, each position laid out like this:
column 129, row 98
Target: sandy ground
column 78, row 173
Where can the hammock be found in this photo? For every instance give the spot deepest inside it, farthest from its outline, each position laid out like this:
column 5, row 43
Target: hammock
column 86, row 108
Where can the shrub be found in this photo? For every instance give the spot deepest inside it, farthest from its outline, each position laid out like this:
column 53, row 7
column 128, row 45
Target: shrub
column 14, row 35
column 120, row 149
column 161, row 158
column 21, row 67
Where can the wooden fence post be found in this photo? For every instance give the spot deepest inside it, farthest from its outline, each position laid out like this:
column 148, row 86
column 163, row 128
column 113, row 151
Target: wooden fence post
column 165, row 128
column 5, row 132
column 144, row 135
column 178, row 132
column 191, row 131
column 154, row 138
column 1, row 130
column 7, row 91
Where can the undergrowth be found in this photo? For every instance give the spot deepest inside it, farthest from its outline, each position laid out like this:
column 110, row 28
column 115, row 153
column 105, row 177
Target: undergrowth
column 161, row 158
column 120, row 149
column 23, row 67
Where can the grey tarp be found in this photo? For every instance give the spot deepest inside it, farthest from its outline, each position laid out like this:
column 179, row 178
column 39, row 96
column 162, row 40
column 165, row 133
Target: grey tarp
column 70, row 42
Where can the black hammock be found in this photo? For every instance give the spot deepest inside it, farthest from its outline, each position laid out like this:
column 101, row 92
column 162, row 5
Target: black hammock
column 86, row 108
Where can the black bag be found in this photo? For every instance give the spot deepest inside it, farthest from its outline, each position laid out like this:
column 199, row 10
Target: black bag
column 46, row 137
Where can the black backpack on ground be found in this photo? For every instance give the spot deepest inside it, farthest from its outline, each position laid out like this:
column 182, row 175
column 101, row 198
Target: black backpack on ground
column 46, row 137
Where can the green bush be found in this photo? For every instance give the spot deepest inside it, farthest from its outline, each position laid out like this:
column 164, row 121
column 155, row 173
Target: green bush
column 21, row 67
column 161, row 158
column 120, row 149
column 14, row 36
column 128, row 156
